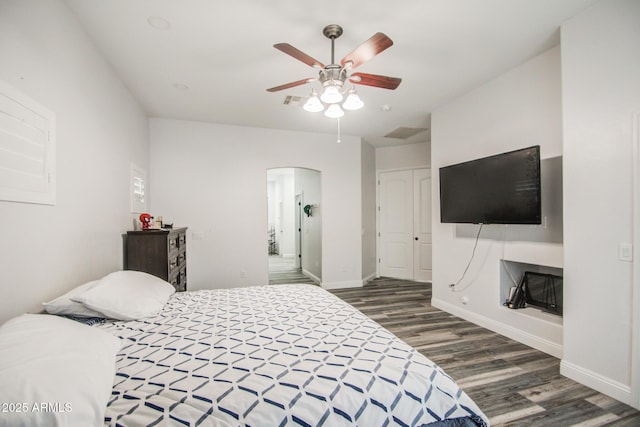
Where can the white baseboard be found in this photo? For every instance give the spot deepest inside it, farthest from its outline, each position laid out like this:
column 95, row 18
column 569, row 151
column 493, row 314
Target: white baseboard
column 342, row 285
column 349, row 283
column 531, row 340
column 596, row 381
column 369, row 278
column 311, row 276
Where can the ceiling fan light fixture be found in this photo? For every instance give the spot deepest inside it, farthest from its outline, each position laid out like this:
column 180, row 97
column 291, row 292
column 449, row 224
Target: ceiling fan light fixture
column 353, row 101
column 334, row 111
column 331, row 94
column 313, row 104
column 332, row 77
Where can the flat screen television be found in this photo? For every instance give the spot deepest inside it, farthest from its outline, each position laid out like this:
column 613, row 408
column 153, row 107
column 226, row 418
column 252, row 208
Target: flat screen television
column 499, row 189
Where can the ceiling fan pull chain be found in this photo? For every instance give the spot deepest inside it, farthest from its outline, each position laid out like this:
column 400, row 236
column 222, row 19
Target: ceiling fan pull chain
column 338, row 141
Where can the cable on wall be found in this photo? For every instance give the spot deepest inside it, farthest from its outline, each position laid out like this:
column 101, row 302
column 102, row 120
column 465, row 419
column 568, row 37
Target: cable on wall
column 504, row 265
column 454, row 285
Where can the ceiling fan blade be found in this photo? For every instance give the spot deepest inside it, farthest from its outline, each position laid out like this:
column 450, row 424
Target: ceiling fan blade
column 298, row 54
column 375, row 80
column 367, row 50
column 290, row 85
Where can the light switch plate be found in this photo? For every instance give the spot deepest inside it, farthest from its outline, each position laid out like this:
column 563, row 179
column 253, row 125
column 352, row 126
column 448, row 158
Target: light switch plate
column 625, row 252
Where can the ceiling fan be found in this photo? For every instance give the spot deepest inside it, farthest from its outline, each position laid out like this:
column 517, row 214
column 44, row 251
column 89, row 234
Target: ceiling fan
column 333, row 77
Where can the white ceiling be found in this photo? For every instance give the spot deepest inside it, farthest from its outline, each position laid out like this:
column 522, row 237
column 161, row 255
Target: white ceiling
column 222, row 51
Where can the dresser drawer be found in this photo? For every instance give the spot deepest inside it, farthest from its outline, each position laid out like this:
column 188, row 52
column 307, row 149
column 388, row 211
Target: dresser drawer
column 175, row 283
column 174, row 242
column 179, row 281
column 182, row 280
column 174, row 263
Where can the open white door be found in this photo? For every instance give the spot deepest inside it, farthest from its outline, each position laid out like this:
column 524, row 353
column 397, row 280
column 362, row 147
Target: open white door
column 298, row 231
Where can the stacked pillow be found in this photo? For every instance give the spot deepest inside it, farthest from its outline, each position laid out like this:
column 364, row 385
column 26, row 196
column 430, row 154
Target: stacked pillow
column 122, row 295
column 55, row 371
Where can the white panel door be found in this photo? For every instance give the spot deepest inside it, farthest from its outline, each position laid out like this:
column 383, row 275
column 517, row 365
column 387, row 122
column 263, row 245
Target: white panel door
column 422, row 244
column 396, row 224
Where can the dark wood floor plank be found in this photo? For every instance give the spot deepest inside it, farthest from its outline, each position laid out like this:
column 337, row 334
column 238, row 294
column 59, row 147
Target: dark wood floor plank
column 282, row 270
column 515, row 385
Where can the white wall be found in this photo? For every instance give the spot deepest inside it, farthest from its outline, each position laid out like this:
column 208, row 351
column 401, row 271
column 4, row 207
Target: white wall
column 47, row 250
column 601, row 92
column 403, row 156
column 212, row 178
column 518, row 109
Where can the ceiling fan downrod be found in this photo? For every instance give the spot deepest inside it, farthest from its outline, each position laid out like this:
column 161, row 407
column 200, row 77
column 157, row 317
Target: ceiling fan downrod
column 333, row 74
column 332, row 32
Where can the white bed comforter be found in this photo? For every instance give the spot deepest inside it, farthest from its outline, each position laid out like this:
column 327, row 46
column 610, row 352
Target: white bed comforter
column 272, row 356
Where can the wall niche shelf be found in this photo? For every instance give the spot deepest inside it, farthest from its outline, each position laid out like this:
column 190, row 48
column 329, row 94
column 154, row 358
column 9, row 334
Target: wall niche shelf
column 510, row 274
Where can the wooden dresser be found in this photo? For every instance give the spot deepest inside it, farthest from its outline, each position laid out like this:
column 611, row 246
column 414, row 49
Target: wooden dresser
column 162, row 253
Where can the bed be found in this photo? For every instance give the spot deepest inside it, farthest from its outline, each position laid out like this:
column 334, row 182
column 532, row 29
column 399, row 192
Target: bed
column 271, row 356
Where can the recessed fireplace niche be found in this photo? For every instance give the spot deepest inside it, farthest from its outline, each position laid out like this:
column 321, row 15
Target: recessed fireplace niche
column 543, row 288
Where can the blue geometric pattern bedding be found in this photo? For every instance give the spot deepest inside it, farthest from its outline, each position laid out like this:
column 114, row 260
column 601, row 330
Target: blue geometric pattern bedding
column 273, row 356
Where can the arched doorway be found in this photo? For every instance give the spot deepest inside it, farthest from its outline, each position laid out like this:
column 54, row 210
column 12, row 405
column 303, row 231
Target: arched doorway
column 294, row 240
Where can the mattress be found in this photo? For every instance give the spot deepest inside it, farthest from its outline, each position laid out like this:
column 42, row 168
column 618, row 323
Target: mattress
column 272, row 356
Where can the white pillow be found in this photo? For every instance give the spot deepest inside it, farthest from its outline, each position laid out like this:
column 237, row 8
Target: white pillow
column 66, row 306
column 127, row 295
column 55, row 371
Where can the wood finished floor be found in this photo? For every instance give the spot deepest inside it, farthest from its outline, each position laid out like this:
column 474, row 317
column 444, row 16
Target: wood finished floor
column 512, row 383
column 282, row 270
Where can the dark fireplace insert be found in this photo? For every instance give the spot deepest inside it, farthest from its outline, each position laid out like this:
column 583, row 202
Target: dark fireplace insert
column 543, row 291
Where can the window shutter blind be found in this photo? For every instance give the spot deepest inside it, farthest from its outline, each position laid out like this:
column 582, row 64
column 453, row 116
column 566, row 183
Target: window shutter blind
column 27, row 149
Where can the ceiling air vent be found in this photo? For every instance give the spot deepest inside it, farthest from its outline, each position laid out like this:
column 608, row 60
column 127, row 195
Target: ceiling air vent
column 404, row 133
column 294, row 101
